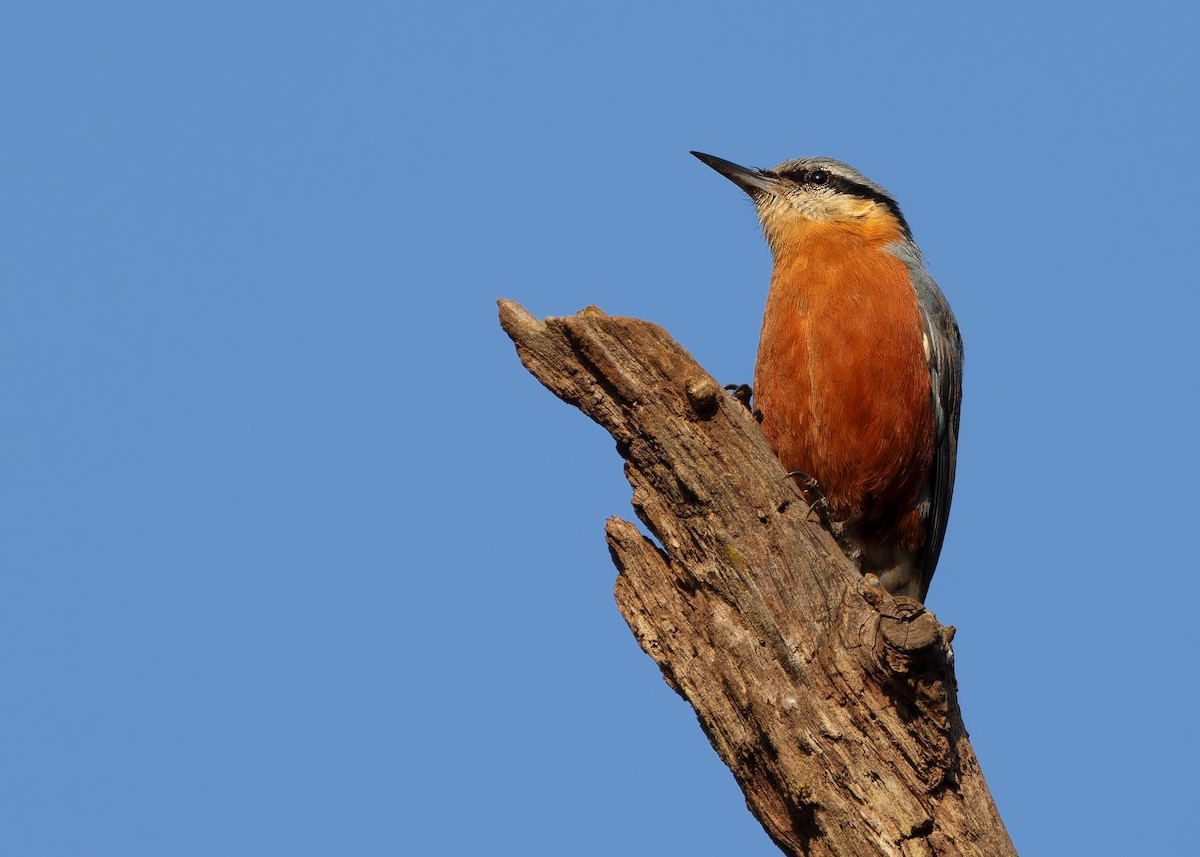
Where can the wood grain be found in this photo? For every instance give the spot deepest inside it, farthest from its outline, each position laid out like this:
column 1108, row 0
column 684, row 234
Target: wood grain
column 833, row 703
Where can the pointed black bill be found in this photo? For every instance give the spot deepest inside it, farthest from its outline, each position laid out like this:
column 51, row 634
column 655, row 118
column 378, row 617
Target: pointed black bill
column 752, row 181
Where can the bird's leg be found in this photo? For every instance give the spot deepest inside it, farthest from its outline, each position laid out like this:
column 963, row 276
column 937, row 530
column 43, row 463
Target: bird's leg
column 818, row 503
column 811, row 491
column 743, row 393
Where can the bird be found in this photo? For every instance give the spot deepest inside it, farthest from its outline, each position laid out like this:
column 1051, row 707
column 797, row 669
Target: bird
column 858, row 378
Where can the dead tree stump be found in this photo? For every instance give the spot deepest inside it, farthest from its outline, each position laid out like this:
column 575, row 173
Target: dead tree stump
column 833, row 703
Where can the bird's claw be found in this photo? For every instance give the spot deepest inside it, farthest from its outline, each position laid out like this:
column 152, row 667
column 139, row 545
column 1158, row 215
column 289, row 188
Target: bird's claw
column 743, row 393
column 813, row 495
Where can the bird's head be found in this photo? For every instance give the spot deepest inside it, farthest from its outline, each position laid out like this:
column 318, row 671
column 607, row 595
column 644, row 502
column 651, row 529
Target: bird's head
column 807, row 194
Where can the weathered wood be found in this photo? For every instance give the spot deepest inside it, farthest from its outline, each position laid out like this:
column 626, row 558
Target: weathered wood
column 833, row 703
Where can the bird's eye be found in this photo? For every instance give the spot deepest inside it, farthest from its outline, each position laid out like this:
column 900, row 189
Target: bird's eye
column 818, row 177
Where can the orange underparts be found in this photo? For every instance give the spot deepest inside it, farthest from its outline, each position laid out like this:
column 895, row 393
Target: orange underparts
column 841, row 378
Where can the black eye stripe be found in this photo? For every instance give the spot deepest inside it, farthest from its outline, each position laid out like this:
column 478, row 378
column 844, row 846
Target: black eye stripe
column 841, row 184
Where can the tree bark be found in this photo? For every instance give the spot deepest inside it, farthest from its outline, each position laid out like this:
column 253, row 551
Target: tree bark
column 833, row 703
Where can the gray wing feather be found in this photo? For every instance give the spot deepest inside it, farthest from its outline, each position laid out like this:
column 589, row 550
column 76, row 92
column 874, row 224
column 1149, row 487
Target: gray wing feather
column 945, row 371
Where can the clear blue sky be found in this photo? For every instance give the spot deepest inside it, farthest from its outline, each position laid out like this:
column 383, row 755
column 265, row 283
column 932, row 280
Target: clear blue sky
column 297, row 559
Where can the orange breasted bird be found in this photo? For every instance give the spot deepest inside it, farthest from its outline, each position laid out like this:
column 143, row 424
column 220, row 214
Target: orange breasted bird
column 859, row 371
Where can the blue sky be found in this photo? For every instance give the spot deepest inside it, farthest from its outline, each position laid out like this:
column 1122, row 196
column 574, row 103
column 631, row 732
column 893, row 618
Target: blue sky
column 298, row 559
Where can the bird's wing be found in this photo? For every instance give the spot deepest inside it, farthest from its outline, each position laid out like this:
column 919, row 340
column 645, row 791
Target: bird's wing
column 945, row 371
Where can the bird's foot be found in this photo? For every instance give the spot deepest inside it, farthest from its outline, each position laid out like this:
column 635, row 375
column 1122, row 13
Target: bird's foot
column 814, row 496
column 743, row 393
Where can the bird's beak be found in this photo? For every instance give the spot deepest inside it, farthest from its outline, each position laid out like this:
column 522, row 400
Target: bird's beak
column 754, row 182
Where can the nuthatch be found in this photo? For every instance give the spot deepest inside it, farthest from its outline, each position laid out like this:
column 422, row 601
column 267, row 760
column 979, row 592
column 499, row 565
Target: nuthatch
column 859, row 371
